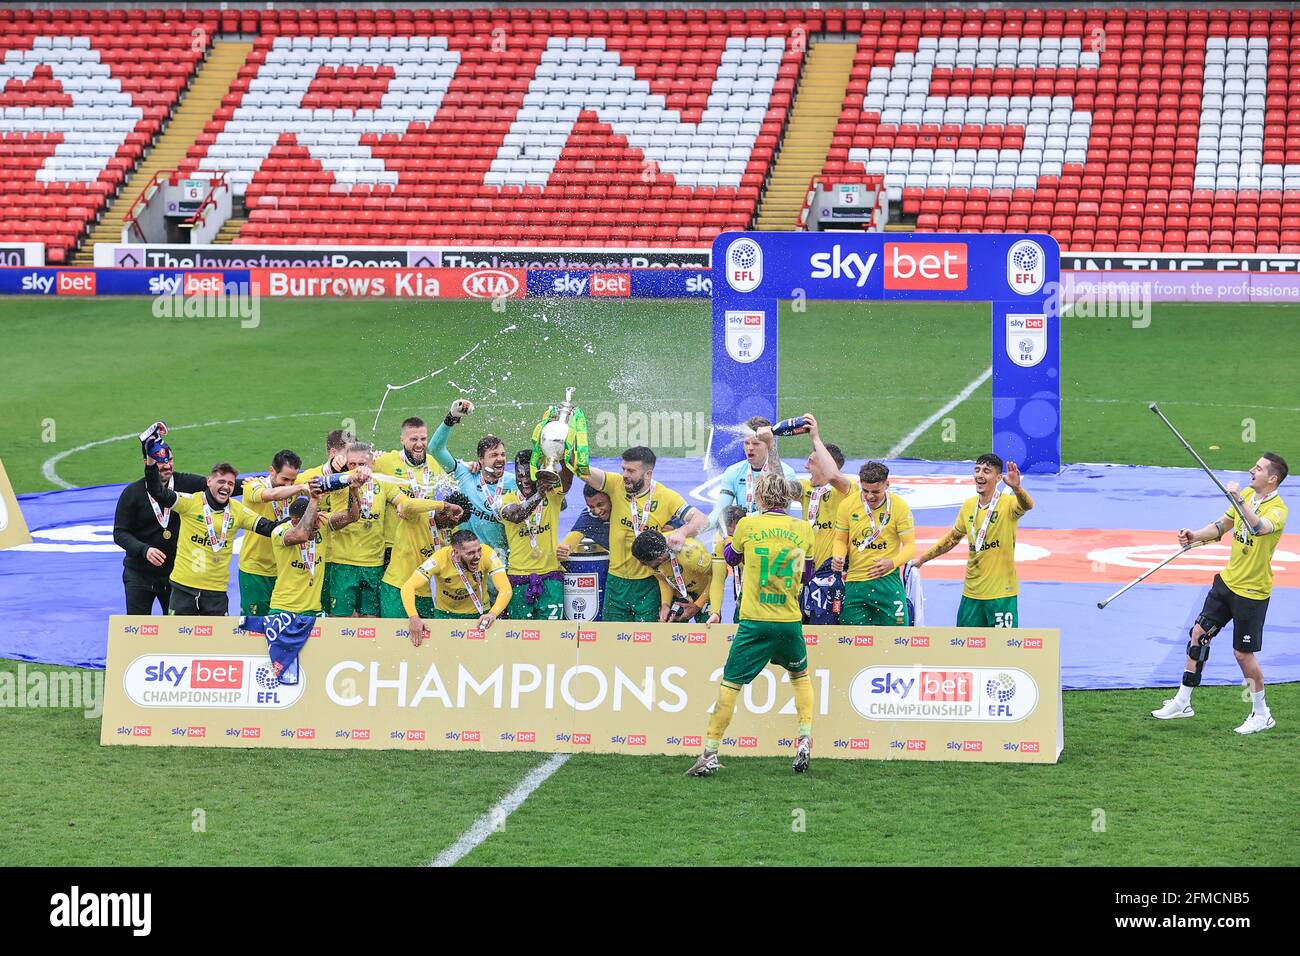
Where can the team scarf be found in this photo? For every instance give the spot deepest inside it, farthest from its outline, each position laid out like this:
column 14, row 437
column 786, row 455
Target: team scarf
column 641, row 521
column 815, row 502
column 162, row 514
column 577, row 448
column 988, row 518
column 876, row 529
column 215, row 542
column 473, row 589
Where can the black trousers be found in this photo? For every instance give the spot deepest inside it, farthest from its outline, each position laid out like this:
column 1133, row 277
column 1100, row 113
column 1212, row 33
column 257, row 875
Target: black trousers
column 192, row 601
column 143, row 589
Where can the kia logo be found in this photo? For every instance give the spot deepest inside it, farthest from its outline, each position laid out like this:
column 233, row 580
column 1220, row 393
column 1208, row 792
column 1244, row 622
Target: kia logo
column 490, row 284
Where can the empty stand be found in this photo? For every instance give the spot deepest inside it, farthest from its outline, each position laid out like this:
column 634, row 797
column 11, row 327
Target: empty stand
column 82, row 95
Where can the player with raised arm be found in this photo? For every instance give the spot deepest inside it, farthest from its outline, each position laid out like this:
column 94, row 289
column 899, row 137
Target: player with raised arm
column 824, row 490
column 531, row 517
column 874, row 537
column 300, row 578
column 1241, row 592
column 459, row 576
column 774, row 547
column 484, row 487
column 638, row 503
column 412, row 464
column 270, row 498
column 989, row 520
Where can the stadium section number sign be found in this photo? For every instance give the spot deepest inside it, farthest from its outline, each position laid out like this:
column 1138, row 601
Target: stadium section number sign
column 885, row 693
column 753, row 272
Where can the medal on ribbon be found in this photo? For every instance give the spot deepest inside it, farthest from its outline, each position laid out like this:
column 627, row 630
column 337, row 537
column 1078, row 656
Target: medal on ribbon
column 639, row 519
column 471, row 588
column 217, row 542
column 876, row 529
column 815, row 502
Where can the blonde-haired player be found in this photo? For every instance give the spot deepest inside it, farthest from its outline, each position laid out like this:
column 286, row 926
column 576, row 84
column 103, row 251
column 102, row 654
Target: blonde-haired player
column 775, row 548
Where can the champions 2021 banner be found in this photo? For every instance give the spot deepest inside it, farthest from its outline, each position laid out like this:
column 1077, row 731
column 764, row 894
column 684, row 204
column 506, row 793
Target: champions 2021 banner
column 885, row 693
column 1019, row 275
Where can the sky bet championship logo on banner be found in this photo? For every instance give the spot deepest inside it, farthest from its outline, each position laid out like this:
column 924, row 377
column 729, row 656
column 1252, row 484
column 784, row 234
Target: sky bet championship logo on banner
column 745, row 334
column 228, row 680
column 997, row 695
column 1026, row 339
column 744, row 265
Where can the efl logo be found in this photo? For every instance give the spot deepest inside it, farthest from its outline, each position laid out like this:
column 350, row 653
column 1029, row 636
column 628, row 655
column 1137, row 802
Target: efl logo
column 972, row 746
column 810, row 640
column 1029, row 746
column 859, row 743
column 636, row 740
column 417, row 735
column 365, row 632
column 140, row 731
column 306, row 733
column 586, row 637
column 199, row 732
column 531, row 635
column 744, row 258
column 204, row 283
column 76, row 283
column 925, row 265
column 692, row 741
column 916, row 745
column 946, row 685
column 979, row 642
column 582, row 739
column 697, row 637
column 490, row 284
column 148, row 630
column 864, row 640
column 920, row 642
column 526, row 736
column 251, row 733
column 1026, row 267
column 640, row 637
column 219, row 675
column 747, row 742
column 362, row 734
column 470, row 736
column 203, row 630
column 611, row 284
column 1033, row 644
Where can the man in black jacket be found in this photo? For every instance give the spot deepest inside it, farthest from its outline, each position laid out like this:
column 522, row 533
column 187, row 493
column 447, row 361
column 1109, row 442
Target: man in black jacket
column 147, row 533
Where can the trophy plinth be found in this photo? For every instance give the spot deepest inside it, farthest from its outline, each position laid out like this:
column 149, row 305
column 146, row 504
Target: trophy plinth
column 555, row 434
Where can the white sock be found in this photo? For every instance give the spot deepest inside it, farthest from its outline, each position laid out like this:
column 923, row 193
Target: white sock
column 1259, row 706
column 1184, row 695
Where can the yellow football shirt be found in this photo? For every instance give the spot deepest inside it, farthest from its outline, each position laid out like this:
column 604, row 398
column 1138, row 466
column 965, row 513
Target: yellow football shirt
column 361, row 543
column 854, row 518
column 1249, row 572
column 663, row 503
column 197, row 565
column 990, row 573
column 418, row 480
column 718, row 577
column 328, row 504
column 256, row 555
column 543, row 524
column 417, row 539
column 298, row 589
column 696, row 564
column 828, row 507
column 449, row 592
column 774, row 547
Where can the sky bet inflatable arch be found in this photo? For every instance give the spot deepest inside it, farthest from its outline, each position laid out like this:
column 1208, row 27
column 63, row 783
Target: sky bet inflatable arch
column 1019, row 275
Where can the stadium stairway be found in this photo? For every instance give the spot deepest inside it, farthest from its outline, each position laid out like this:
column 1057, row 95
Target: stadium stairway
column 229, row 231
column 817, row 104
column 196, row 107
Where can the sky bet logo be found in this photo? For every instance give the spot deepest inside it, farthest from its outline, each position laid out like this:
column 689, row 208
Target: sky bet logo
column 926, row 265
column 836, row 265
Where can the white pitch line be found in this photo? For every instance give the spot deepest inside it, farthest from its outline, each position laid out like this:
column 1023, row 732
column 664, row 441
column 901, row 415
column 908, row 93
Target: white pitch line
column 485, row 825
column 952, row 403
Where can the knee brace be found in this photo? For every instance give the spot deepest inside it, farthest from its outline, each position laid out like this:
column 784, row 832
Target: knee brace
column 1208, row 626
column 1199, row 652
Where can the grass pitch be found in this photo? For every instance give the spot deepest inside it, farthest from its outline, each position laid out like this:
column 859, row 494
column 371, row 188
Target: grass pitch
column 1119, row 796
column 84, row 371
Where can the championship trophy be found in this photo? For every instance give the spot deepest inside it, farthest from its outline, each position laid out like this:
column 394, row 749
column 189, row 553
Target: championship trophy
column 554, row 437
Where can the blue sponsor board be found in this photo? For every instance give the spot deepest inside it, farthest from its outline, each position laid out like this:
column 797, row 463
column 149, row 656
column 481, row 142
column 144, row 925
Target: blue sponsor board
column 1019, row 275
column 630, row 283
column 88, row 282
